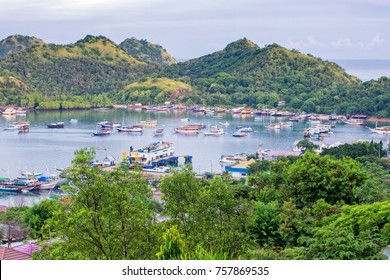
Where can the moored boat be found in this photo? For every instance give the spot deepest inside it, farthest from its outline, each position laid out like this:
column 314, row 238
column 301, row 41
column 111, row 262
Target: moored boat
column 158, row 132
column 214, row 131
column 102, row 132
column 131, row 128
column 239, row 134
column 380, row 130
column 56, row 125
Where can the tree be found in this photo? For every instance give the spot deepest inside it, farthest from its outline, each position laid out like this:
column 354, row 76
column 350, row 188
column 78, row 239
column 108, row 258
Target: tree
column 313, row 177
column 108, row 217
column 211, row 217
column 38, row 218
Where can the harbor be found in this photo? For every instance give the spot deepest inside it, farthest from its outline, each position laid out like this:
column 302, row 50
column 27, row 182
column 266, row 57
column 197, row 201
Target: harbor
column 43, row 148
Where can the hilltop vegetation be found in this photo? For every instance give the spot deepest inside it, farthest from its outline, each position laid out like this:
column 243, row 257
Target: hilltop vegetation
column 242, row 74
column 146, row 51
column 17, row 43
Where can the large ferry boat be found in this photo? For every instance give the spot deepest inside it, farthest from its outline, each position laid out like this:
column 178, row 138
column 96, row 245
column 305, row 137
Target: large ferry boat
column 159, row 153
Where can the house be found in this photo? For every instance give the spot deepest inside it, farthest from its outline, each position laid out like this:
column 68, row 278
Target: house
column 109, row 161
column 19, row 252
column 239, row 170
column 281, row 103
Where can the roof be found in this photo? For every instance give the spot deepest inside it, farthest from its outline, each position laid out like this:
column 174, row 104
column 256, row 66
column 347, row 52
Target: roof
column 282, row 153
column 12, row 254
column 27, row 248
column 109, row 158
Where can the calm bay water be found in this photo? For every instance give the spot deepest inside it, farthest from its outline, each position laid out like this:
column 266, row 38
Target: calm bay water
column 43, row 149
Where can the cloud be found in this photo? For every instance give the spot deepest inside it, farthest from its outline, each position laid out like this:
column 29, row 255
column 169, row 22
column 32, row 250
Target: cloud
column 343, row 43
column 309, row 42
column 377, row 40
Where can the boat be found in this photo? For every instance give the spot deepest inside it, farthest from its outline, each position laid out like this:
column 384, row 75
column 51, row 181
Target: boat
column 131, row 128
column 49, row 182
column 16, row 125
column 9, row 112
column 72, row 121
column 158, row 132
column 245, row 129
column 106, row 124
column 11, row 127
column 354, row 121
column 274, row 126
column 56, row 125
column 148, row 123
column 186, row 130
column 231, row 159
column 190, row 129
column 286, row 124
column 214, row 131
column 155, row 169
column 380, row 130
column 185, row 119
column 102, row 132
column 24, row 128
column 239, row 134
column 156, row 151
column 224, row 123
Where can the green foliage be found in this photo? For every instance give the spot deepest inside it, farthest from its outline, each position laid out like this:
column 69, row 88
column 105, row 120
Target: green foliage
column 266, row 229
column 359, row 232
column 307, row 145
column 212, row 217
column 356, row 150
column 313, row 177
column 38, row 218
column 148, row 52
column 109, row 215
column 173, row 246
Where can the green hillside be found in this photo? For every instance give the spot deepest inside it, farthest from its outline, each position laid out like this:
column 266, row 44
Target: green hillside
column 17, row 43
column 146, row 51
column 92, row 65
column 244, row 73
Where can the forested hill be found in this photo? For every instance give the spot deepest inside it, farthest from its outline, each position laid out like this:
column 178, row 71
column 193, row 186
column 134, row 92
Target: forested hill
column 244, row 73
column 17, row 43
column 146, row 51
column 92, row 65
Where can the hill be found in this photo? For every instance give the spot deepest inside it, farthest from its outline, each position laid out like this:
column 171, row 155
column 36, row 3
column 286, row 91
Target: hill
column 92, row 65
column 147, row 52
column 245, row 74
column 17, row 43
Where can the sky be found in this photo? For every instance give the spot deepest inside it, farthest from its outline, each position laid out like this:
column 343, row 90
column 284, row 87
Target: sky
column 330, row 29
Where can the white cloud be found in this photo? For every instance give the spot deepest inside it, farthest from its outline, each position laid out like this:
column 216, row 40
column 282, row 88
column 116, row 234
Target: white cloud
column 309, row 42
column 343, row 43
column 377, row 40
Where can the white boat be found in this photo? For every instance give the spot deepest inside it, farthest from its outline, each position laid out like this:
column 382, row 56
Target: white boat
column 230, row 159
column 185, row 119
column 245, row 129
column 224, row 123
column 131, row 128
column 158, row 132
column 274, row 126
column 73, row 121
column 354, row 121
column 149, row 123
column 156, row 169
column 150, row 153
column 380, row 130
column 215, row 131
